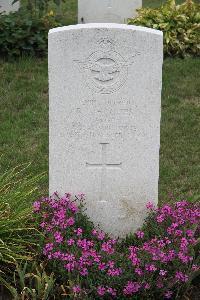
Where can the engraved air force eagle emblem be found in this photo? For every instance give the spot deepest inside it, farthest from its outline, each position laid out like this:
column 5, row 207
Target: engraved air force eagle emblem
column 105, row 71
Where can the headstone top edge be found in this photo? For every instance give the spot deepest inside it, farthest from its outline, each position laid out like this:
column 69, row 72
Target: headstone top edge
column 105, row 25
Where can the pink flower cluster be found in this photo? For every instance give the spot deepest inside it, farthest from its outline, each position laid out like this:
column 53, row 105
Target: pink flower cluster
column 149, row 264
column 178, row 228
column 69, row 244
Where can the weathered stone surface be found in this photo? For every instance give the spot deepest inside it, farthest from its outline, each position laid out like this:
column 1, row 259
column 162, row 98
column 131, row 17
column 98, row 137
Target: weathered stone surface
column 107, row 11
column 105, row 94
column 6, row 6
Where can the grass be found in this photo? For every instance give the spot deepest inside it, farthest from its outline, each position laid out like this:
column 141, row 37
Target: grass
column 24, row 121
column 24, row 118
column 17, row 235
column 24, row 114
column 180, row 135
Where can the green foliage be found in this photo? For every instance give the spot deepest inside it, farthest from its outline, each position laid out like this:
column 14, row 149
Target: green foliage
column 17, row 235
column 22, row 33
column 30, row 282
column 40, row 7
column 180, row 25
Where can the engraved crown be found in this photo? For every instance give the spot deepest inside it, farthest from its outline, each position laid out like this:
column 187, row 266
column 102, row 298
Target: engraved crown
column 106, row 44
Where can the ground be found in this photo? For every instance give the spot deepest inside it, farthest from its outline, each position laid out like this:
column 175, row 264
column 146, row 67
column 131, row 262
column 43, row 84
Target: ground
column 24, row 120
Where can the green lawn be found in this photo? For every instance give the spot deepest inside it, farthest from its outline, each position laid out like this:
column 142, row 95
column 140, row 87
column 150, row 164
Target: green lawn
column 24, row 119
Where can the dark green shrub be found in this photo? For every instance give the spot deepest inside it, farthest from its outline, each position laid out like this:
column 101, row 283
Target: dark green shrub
column 180, row 25
column 23, row 34
column 40, row 7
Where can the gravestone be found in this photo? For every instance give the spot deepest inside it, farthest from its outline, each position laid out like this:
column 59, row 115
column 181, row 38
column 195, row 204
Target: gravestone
column 107, row 11
column 7, row 7
column 105, row 99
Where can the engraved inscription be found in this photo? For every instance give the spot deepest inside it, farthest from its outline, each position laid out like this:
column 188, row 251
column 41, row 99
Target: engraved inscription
column 105, row 71
column 117, row 120
column 103, row 166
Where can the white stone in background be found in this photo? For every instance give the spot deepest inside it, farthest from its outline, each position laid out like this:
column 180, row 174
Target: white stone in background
column 107, row 11
column 6, row 6
column 105, row 98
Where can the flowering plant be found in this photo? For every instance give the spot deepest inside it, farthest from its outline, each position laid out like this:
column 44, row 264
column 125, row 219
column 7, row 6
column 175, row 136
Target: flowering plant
column 158, row 261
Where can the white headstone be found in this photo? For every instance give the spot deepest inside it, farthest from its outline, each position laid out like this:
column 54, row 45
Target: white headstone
column 107, row 11
column 6, row 6
column 105, row 99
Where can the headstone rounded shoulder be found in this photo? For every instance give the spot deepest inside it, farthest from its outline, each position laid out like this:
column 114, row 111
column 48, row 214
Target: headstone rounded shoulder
column 104, row 134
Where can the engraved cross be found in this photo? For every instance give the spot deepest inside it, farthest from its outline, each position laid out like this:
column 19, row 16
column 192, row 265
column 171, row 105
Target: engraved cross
column 103, row 166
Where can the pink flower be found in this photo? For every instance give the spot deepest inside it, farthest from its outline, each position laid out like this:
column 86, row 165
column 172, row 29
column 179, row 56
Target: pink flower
column 160, row 218
column 150, row 205
column 101, row 290
column 140, row 234
column 184, row 258
column 163, row 272
column 139, row 271
column 70, row 242
column 101, row 235
column 114, row 272
column 159, row 284
column 178, row 232
column 166, row 209
column 70, row 221
column 111, row 264
column 72, row 206
column 168, row 295
column 195, row 267
column 94, row 232
column 181, row 277
column 150, row 268
column 76, row 289
column 58, row 237
column 107, row 247
column 36, row 206
column 190, row 233
column 112, row 291
column 181, row 204
column 102, row 266
column 69, row 266
column 147, row 286
column 134, row 259
column 173, row 244
column 79, row 231
column 57, row 254
column 48, row 248
column 131, row 288
column 84, row 272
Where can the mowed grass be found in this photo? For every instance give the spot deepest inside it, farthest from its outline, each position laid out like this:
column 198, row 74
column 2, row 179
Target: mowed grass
column 180, row 128
column 24, row 117
column 24, row 114
column 24, row 122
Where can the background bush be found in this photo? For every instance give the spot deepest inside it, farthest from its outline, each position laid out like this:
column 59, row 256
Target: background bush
column 180, row 25
column 26, row 31
column 22, row 33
